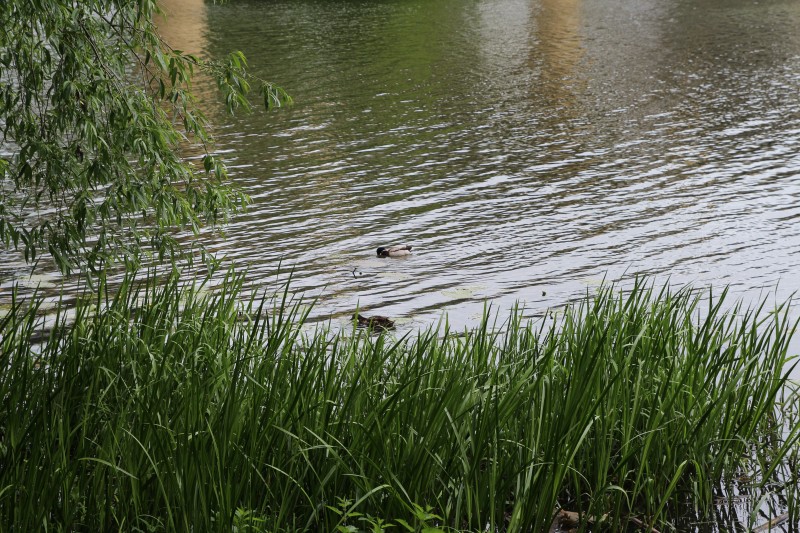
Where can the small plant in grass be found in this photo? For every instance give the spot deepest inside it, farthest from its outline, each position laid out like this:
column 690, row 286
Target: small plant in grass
column 247, row 521
column 423, row 519
column 344, row 508
column 376, row 525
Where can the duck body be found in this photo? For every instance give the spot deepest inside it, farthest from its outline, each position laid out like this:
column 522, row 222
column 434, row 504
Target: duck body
column 397, row 250
column 376, row 322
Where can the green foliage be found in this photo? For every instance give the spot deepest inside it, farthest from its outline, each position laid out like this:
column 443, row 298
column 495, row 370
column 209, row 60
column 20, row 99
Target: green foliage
column 163, row 407
column 97, row 121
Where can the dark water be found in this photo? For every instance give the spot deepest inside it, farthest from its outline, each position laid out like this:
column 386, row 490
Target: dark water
column 526, row 149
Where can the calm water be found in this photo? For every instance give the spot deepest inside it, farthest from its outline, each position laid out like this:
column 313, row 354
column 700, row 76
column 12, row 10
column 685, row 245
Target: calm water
column 526, row 149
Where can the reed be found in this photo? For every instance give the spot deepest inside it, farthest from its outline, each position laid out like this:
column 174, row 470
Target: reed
column 163, row 407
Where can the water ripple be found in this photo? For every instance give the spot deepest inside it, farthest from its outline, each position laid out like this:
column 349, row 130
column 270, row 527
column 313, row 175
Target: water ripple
column 526, row 150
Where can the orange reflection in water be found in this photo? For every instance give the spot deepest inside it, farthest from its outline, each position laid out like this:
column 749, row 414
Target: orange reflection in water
column 184, row 25
column 558, row 23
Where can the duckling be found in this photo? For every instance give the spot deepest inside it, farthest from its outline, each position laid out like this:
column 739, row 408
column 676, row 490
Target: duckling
column 376, row 323
column 397, row 250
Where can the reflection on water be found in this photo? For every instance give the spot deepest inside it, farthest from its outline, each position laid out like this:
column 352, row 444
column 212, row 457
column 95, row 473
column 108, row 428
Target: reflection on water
column 184, row 25
column 559, row 44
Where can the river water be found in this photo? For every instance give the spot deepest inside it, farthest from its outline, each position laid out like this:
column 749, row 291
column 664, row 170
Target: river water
column 526, row 149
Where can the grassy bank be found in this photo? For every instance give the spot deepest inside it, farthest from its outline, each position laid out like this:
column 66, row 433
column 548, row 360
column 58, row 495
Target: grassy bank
column 172, row 410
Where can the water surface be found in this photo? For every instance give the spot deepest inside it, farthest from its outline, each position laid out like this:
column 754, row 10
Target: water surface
column 526, row 149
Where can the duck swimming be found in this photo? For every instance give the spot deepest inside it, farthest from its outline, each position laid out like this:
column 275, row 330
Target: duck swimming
column 397, row 250
column 375, row 323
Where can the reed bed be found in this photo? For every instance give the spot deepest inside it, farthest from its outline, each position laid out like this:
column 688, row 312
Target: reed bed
column 165, row 408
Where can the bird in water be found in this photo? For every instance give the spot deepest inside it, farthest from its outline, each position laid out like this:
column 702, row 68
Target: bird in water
column 398, row 250
column 376, row 322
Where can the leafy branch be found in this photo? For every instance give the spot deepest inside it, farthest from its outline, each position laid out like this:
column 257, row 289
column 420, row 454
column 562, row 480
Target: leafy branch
column 98, row 130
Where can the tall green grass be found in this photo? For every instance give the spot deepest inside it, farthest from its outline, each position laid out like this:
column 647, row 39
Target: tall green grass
column 161, row 407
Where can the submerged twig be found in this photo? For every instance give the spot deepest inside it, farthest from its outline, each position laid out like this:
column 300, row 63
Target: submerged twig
column 778, row 520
